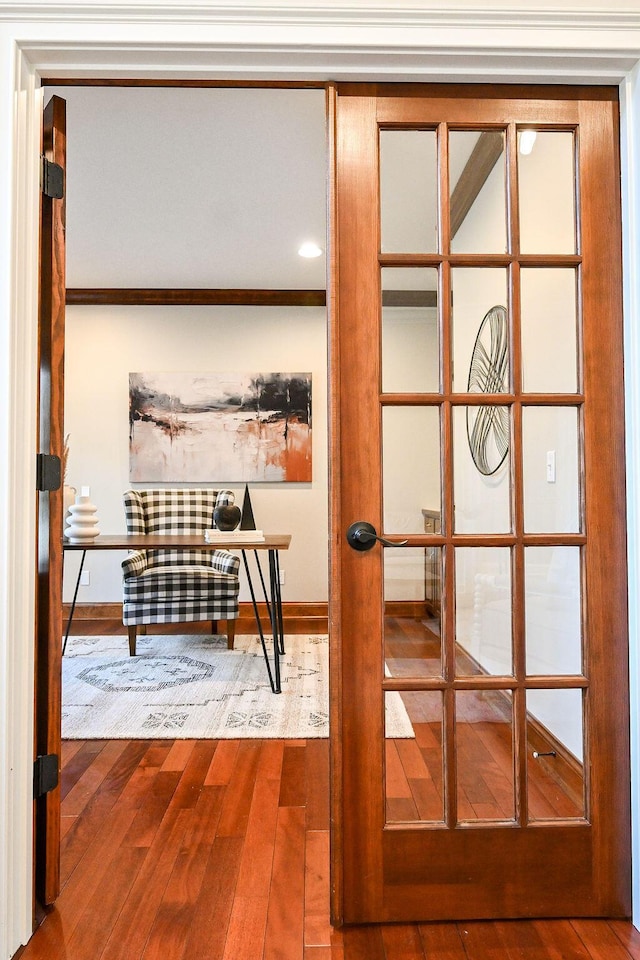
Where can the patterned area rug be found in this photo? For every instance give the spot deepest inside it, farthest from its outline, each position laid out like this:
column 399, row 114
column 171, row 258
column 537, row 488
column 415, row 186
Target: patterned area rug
column 193, row 687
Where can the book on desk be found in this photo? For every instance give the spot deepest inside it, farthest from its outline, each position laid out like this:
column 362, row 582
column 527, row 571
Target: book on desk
column 234, row 536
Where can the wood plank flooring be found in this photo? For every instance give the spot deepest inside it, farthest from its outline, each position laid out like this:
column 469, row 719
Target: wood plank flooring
column 175, row 850
column 219, row 850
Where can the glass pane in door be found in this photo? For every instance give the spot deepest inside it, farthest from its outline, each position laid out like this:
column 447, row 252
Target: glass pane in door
column 483, row 611
column 551, row 469
column 481, row 469
column 484, row 737
column 478, row 220
column 548, row 301
column 546, row 187
column 553, row 610
column 414, row 756
column 408, row 191
column 410, row 466
column 480, row 330
column 412, row 578
column 555, row 767
column 410, row 334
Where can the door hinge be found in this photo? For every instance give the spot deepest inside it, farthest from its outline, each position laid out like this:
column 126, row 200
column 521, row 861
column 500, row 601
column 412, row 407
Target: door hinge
column 52, row 179
column 48, row 472
column 45, row 774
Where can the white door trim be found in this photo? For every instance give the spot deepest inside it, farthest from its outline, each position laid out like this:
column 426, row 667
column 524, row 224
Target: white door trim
column 630, row 164
column 330, row 40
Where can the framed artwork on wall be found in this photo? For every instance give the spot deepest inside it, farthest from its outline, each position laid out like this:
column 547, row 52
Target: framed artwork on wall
column 219, row 427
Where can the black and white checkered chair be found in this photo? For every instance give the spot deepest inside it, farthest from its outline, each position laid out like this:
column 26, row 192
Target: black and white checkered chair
column 177, row 586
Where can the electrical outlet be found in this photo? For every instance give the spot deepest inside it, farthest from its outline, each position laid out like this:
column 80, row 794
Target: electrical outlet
column 282, row 578
column 85, row 578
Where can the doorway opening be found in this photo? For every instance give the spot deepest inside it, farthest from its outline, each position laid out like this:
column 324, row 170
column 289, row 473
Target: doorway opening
column 393, row 684
column 252, row 302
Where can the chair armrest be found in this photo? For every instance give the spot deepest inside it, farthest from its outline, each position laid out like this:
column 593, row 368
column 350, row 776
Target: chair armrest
column 225, row 562
column 135, row 564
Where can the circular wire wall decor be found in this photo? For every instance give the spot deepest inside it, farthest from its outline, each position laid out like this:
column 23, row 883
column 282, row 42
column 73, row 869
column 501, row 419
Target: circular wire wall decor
column 488, row 425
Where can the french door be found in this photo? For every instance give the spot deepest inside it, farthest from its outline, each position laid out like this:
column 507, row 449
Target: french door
column 479, row 708
column 48, row 627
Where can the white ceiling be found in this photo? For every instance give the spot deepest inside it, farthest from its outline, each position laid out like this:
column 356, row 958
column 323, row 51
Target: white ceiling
column 219, row 187
column 194, row 188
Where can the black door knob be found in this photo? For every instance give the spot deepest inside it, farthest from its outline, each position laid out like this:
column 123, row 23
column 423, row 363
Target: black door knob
column 362, row 536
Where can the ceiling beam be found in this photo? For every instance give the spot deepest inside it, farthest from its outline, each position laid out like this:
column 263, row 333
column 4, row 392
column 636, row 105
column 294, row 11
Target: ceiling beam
column 157, row 296
column 409, row 298
column 484, row 156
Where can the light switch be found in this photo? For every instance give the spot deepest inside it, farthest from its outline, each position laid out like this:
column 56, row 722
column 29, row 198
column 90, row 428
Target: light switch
column 551, row 466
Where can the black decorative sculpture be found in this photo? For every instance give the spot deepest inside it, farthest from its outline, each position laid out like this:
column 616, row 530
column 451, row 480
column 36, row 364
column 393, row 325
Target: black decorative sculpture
column 247, row 522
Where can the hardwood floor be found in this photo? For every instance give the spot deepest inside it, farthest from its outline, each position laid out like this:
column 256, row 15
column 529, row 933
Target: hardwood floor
column 219, row 850
column 173, row 850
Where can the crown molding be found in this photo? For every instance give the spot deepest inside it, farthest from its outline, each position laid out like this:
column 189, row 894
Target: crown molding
column 624, row 15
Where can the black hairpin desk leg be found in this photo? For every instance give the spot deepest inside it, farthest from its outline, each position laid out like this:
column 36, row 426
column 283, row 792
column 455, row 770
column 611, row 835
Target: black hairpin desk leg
column 276, row 613
column 274, row 609
column 276, row 600
column 73, row 602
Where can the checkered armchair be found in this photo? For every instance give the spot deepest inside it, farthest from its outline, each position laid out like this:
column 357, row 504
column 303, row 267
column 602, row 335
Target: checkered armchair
column 177, row 586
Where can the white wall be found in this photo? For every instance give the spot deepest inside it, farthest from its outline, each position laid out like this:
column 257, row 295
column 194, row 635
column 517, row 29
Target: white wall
column 104, row 344
column 206, row 188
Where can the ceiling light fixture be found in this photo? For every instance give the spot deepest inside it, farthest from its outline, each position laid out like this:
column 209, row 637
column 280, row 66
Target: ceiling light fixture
column 527, row 140
column 310, row 250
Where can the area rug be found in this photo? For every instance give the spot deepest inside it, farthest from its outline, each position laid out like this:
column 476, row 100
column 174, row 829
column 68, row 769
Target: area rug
column 193, row 687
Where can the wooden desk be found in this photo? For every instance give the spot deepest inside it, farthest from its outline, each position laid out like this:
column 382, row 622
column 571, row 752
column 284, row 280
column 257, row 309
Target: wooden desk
column 272, row 543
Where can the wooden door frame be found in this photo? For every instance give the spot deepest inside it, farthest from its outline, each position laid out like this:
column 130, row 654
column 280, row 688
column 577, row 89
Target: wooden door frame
column 335, row 459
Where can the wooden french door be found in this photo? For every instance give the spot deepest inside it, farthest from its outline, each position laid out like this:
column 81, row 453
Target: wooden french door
column 480, row 718
column 49, row 505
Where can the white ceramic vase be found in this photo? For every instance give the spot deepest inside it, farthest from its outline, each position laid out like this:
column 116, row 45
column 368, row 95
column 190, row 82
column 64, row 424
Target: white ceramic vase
column 68, row 499
column 82, row 522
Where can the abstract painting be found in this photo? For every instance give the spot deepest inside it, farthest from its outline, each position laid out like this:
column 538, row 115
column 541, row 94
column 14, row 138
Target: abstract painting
column 219, row 427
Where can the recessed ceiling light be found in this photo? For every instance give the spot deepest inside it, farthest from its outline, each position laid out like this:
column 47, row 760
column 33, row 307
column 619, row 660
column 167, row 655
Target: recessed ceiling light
column 527, row 140
column 310, row 250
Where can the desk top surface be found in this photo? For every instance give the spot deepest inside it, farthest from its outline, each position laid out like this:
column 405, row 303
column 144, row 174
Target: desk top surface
column 123, row 541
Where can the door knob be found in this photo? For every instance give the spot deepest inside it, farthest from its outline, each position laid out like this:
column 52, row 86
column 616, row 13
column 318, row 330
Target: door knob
column 362, row 536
